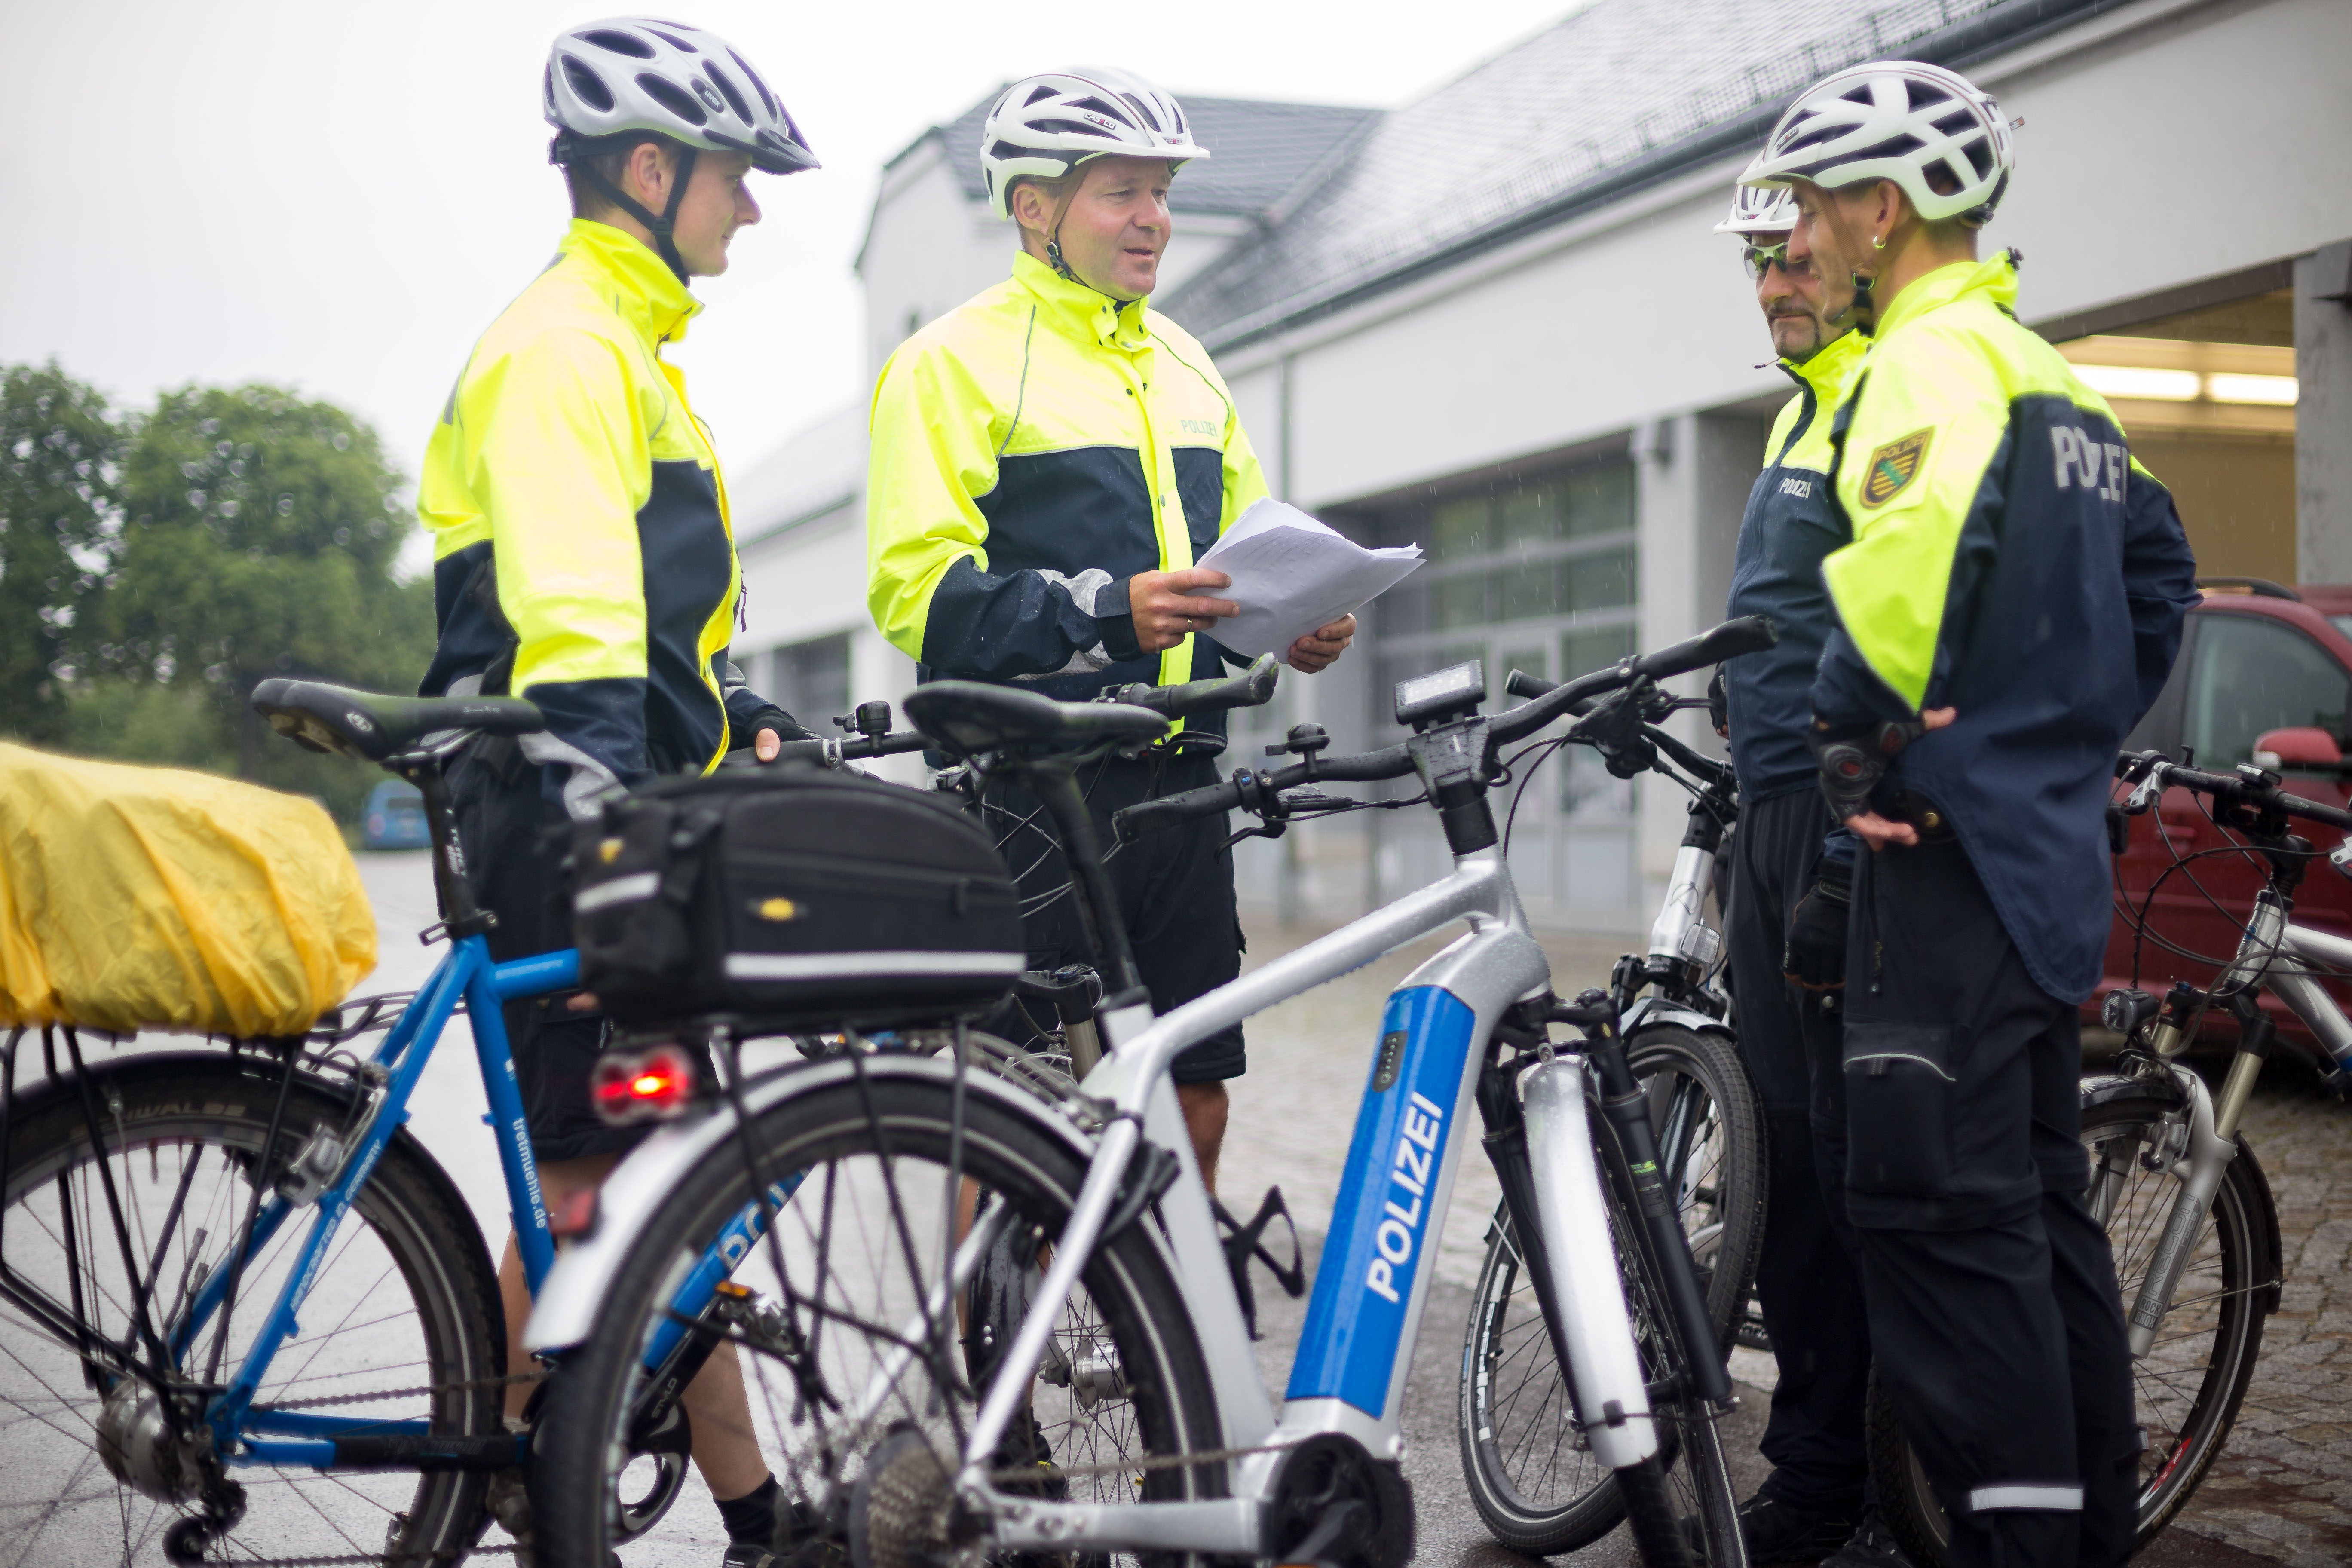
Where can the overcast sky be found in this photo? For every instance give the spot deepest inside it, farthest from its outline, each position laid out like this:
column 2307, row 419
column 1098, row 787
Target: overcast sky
column 341, row 196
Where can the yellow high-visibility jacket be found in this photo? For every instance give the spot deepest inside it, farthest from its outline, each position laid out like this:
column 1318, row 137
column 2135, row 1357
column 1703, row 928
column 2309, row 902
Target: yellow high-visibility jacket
column 2010, row 560
column 582, row 554
column 1033, row 449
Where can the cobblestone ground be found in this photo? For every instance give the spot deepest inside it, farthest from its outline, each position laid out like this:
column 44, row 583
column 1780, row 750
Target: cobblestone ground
column 2281, row 1491
column 2282, row 1488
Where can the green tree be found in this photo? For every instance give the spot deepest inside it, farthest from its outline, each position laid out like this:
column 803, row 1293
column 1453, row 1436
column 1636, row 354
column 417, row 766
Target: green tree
column 259, row 536
column 59, row 451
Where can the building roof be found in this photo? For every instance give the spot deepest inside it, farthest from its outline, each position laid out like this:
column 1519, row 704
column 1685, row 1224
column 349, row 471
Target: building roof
column 1261, row 151
column 1619, row 95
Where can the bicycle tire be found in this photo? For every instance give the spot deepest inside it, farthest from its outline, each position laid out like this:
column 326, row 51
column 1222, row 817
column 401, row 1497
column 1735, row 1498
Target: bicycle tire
column 2186, row 1391
column 1505, row 1420
column 1156, row 1369
column 162, row 1115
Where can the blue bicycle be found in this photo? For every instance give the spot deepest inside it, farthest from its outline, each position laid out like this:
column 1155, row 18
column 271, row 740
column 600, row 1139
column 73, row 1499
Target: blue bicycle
column 244, row 1315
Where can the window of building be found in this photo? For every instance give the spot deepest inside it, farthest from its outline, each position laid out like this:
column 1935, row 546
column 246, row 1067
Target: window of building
column 810, row 680
column 1533, row 573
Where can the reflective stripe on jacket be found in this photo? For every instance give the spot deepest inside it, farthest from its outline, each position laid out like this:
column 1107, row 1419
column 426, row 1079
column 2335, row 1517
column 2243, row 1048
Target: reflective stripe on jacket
column 1792, row 522
column 582, row 555
column 2010, row 561
column 1033, row 449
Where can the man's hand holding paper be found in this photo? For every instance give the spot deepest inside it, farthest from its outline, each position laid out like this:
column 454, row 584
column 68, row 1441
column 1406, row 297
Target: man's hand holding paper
column 1295, row 583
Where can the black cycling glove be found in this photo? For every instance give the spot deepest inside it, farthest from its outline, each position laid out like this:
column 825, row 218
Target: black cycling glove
column 1852, row 760
column 1814, row 955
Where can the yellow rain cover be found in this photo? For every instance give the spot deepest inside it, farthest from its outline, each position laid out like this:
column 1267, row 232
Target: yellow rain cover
column 155, row 898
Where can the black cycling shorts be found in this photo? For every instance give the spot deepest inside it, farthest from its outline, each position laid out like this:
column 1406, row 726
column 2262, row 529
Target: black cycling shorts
column 1175, row 891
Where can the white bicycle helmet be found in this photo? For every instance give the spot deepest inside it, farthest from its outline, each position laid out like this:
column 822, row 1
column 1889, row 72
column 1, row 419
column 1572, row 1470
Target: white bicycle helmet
column 1899, row 120
column 1047, row 125
column 1759, row 209
column 608, row 81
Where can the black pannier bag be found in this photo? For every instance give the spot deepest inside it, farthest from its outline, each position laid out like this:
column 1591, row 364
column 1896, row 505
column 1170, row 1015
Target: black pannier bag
column 790, row 896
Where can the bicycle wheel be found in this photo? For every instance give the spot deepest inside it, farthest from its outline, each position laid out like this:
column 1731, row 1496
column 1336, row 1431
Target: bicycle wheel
column 2189, row 1386
column 402, row 1324
column 1531, row 1475
column 858, row 1363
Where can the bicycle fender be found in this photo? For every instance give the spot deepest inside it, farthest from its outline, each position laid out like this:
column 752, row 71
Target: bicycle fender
column 2103, row 1088
column 1650, row 1010
column 566, row 1313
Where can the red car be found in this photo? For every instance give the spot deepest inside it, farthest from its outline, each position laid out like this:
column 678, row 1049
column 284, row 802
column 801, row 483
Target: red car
column 2264, row 669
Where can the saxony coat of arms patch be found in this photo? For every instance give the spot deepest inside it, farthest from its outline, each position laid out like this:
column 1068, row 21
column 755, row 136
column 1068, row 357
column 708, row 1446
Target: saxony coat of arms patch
column 1894, row 466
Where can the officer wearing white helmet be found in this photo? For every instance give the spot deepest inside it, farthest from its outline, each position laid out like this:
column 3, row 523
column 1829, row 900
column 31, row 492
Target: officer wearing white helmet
column 1048, row 461
column 1806, row 1279
column 2008, row 604
column 583, row 560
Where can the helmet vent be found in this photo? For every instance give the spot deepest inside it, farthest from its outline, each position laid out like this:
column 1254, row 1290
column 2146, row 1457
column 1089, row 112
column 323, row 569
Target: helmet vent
column 1144, row 109
column 1107, row 110
column 1074, row 127
column 671, row 97
column 767, row 99
column 588, row 86
column 726, row 85
column 673, row 41
column 618, row 43
column 1037, row 95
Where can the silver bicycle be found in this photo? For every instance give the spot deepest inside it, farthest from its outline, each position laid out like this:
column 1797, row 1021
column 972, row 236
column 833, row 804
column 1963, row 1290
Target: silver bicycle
column 2184, row 1200
column 891, row 1179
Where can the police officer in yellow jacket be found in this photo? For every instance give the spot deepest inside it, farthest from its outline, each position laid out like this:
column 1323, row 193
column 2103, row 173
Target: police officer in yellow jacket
column 1048, row 460
column 2010, row 604
column 1806, row 1279
column 583, row 560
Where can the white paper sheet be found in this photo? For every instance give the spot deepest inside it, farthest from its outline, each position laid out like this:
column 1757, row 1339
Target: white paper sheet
column 1292, row 574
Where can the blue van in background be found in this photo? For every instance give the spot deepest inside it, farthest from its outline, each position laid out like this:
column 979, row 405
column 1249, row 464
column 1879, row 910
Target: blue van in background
column 394, row 818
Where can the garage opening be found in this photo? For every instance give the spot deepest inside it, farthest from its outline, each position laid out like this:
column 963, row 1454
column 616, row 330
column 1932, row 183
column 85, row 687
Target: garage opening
column 2208, row 395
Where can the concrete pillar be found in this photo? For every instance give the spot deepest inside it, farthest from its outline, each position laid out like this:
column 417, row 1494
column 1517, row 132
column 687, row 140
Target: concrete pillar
column 1693, row 475
column 2322, row 414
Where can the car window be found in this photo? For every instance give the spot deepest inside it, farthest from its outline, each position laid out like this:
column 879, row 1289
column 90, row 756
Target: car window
column 2251, row 675
column 2342, row 624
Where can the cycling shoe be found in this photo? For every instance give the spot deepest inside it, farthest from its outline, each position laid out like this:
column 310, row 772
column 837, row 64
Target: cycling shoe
column 1779, row 1533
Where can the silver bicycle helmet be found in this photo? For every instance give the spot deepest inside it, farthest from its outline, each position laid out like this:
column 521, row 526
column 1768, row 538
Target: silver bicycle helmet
column 1047, row 125
column 1759, row 210
column 608, row 83
column 1894, row 120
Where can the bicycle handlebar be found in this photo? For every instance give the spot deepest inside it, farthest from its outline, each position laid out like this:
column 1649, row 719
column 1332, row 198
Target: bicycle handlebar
column 850, row 748
column 1520, row 683
column 1250, row 689
column 2228, row 787
column 1748, row 634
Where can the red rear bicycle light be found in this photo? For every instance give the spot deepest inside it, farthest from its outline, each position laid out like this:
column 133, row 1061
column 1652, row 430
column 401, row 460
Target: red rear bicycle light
column 642, row 1086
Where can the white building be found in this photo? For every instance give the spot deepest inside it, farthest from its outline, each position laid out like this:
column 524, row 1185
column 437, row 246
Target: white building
column 1493, row 321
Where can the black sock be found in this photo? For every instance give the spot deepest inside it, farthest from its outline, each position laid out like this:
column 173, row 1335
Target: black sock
column 751, row 1518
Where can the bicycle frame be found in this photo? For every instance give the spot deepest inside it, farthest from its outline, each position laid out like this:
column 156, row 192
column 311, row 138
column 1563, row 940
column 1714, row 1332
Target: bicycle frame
column 248, row 1436
column 1353, row 1355
column 2272, row 951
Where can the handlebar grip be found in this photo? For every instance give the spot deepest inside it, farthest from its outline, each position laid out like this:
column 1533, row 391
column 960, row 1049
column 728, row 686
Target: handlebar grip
column 2314, row 811
column 1520, row 683
column 852, row 748
column 1748, row 634
column 1252, row 687
column 1133, row 822
column 800, row 751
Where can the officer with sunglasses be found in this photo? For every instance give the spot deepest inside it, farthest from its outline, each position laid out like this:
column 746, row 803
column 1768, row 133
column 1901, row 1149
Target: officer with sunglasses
column 1812, row 1504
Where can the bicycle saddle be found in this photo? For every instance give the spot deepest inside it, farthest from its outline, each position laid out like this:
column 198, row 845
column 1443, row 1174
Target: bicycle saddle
column 964, row 717
column 370, row 727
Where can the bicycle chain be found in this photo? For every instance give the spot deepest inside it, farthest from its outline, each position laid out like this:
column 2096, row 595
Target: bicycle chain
column 510, row 1380
column 368, row 1558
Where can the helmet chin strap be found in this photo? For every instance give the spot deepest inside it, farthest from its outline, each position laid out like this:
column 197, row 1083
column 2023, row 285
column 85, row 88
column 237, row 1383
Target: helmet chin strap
column 1054, row 235
column 663, row 228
